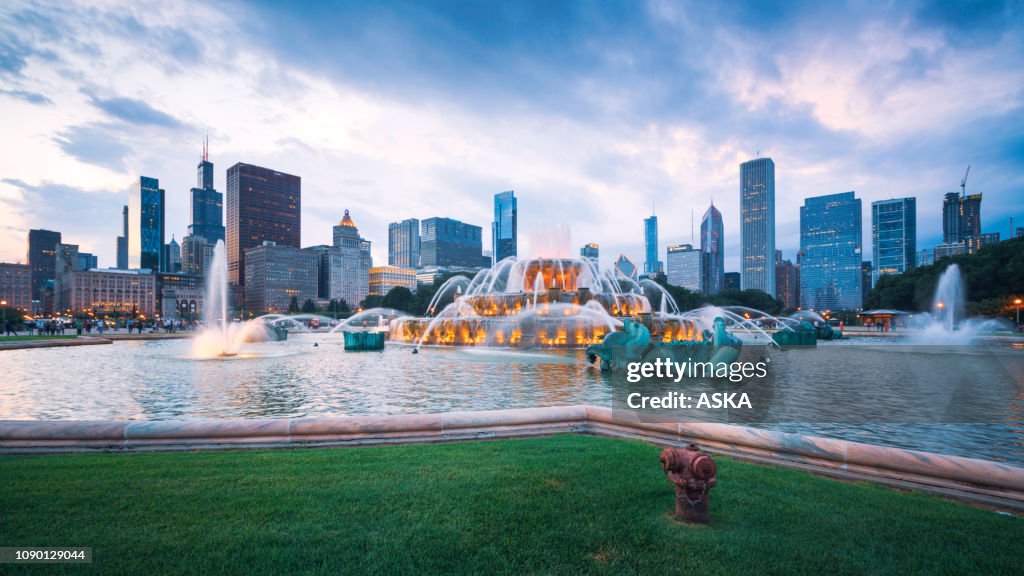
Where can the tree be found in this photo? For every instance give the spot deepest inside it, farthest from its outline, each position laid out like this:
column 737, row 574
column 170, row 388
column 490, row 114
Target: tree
column 992, row 276
column 424, row 294
column 293, row 306
column 400, row 298
column 339, row 308
column 309, row 307
column 372, row 301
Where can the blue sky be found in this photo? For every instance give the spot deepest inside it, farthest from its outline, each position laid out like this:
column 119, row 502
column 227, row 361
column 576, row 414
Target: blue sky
column 591, row 111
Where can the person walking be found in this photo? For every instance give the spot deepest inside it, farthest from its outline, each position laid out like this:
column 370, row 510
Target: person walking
column 9, row 328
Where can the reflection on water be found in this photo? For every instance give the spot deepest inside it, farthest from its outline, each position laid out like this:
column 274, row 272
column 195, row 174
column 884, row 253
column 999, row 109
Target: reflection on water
column 157, row 380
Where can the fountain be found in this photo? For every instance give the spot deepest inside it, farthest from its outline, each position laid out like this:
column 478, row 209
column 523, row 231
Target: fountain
column 948, row 323
column 220, row 337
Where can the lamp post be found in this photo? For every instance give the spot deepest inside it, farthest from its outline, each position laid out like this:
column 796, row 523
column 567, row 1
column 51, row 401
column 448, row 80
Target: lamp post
column 1018, row 302
column 3, row 304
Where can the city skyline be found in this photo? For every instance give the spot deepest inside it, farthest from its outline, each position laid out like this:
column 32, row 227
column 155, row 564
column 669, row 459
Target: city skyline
column 596, row 132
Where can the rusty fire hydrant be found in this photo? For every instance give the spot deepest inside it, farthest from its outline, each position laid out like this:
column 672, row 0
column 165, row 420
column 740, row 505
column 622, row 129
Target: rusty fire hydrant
column 693, row 473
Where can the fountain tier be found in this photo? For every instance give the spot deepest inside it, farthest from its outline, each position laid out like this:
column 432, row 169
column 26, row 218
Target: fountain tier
column 540, row 302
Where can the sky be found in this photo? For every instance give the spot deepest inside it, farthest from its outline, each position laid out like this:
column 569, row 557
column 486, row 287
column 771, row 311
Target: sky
column 594, row 113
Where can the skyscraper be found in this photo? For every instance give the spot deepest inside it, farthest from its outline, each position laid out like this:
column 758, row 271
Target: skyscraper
column 448, row 242
column 404, row 243
column 591, row 250
column 42, row 257
column 893, row 236
column 278, row 274
column 172, row 257
column 122, row 242
column 787, row 282
column 146, row 225
column 712, row 246
column 262, row 205
column 623, row 265
column 207, row 206
column 830, row 240
column 651, row 263
column 961, row 220
column 685, row 267
column 757, row 224
column 353, row 282
column 504, row 235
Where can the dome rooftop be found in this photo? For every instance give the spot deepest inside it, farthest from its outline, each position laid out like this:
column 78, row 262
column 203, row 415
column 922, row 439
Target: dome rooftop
column 347, row 221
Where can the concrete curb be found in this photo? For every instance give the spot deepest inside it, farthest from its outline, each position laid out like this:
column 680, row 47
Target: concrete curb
column 966, row 478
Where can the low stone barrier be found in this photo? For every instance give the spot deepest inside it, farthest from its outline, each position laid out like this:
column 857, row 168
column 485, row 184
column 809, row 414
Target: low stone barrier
column 980, row 480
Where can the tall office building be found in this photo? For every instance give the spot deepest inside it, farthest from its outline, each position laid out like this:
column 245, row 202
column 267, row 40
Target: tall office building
column 651, row 263
column 893, row 236
column 172, row 257
column 504, row 235
column 685, row 267
column 196, row 255
column 448, row 242
column 122, row 241
column 712, row 246
column 925, row 257
column 275, row 275
column 42, row 257
column 757, row 225
column 961, row 220
column 623, row 265
column 262, row 205
column 352, row 254
column 207, row 205
column 831, row 243
column 404, row 243
column 146, row 225
column 591, row 250
column 787, row 282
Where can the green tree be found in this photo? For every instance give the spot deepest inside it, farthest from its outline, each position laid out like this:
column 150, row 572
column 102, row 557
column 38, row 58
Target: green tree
column 400, row 298
column 309, row 307
column 293, row 306
column 339, row 308
column 372, row 301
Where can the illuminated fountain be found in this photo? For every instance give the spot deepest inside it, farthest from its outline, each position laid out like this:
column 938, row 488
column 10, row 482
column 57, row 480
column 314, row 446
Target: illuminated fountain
column 220, row 337
column 948, row 322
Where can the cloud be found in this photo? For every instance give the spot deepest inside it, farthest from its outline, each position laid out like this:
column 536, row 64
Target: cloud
column 97, row 144
column 30, row 97
column 135, row 112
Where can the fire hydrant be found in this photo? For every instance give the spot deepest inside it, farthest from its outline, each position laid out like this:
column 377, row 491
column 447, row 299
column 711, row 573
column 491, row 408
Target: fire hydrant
column 693, row 473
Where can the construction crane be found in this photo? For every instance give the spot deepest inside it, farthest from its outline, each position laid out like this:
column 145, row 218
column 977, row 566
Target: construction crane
column 963, row 183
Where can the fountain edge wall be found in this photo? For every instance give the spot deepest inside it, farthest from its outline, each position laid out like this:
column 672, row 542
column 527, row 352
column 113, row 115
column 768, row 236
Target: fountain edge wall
column 969, row 478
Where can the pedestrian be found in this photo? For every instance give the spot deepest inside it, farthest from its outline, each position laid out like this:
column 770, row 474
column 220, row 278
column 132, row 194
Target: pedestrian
column 9, row 328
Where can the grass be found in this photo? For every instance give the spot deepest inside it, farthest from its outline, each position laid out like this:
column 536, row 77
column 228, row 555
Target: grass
column 26, row 337
column 561, row 505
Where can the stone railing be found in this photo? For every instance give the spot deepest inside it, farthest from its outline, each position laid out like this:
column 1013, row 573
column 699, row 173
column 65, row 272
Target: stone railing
column 980, row 480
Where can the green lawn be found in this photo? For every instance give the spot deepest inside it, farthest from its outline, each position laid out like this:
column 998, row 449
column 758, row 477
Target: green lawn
column 568, row 504
column 24, row 336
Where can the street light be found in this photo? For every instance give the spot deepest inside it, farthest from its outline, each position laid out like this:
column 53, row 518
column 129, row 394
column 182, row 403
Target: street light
column 1018, row 302
column 3, row 304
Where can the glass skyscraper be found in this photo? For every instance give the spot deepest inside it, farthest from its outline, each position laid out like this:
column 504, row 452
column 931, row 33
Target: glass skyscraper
column 448, row 242
column 207, row 207
column 262, row 205
column 893, row 236
column 404, row 243
column 504, row 236
column 712, row 246
column 146, row 225
column 830, row 240
column 757, row 225
column 651, row 263
column 42, row 258
column 685, row 267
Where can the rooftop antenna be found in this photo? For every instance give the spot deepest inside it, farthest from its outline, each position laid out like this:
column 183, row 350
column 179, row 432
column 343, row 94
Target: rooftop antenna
column 206, row 148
